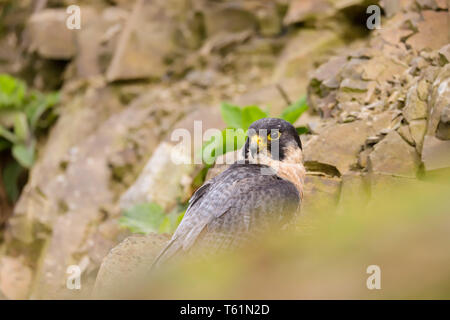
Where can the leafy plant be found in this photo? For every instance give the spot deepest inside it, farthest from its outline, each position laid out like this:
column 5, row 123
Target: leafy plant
column 23, row 115
column 12, row 172
column 238, row 120
column 150, row 217
column 145, row 218
column 295, row 110
column 12, row 92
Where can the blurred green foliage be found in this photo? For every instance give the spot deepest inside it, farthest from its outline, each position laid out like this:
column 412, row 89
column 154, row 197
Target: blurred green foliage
column 295, row 110
column 145, row 218
column 23, row 115
column 403, row 229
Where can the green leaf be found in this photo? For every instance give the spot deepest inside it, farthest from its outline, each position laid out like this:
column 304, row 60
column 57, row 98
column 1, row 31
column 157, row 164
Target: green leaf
column 21, row 127
column 11, row 175
column 171, row 221
column 24, row 154
column 241, row 118
column 234, row 139
column 180, row 217
column 143, row 218
column 295, row 110
column 199, row 179
column 12, row 92
column 8, row 135
column 38, row 106
column 250, row 114
column 229, row 140
column 4, row 144
column 165, row 226
column 232, row 115
column 302, row 130
column 213, row 148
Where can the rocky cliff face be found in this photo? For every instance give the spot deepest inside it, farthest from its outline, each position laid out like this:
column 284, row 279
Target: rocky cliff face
column 383, row 104
column 136, row 71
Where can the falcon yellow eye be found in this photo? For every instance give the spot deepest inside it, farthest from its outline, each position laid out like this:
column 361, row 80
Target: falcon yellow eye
column 274, row 135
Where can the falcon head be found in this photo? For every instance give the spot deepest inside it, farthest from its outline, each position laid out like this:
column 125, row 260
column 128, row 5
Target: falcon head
column 273, row 138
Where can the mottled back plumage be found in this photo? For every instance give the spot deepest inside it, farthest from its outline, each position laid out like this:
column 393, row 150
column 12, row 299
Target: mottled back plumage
column 232, row 208
column 242, row 202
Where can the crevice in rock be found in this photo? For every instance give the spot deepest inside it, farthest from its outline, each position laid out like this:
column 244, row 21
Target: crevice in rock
column 329, row 170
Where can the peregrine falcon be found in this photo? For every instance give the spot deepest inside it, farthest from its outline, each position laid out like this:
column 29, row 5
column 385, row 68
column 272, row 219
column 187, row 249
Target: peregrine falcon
column 260, row 192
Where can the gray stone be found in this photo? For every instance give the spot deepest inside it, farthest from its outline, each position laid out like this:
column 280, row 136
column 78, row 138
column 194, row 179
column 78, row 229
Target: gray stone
column 15, row 278
column 405, row 133
column 394, row 156
column 391, row 7
column 422, row 89
column 382, row 186
column 435, row 153
column 354, row 193
column 445, row 115
column 363, row 157
column 443, row 129
column 127, row 266
column 302, row 50
column 301, row 10
column 431, row 34
column 72, row 185
column 269, row 19
column 321, row 193
column 381, row 68
column 207, row 117
column 228, row 17
column 145, row 44
column 97, row 40
column 202, row 78
column 415, row 108
column 49, row 35
column 418, row 129
column 444, row 54
column 160, row 179
column 328, row 72
column 427, row 4
column 354, row 85
column 338, row 145
column 440, row 100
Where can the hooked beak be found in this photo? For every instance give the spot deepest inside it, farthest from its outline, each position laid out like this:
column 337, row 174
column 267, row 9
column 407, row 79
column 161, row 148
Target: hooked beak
column 256, row 143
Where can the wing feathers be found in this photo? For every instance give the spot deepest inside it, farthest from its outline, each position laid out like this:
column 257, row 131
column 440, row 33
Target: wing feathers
column 225, row 210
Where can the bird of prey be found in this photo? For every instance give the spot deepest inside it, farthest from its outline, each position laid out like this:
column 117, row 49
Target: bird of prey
column 260, row 192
